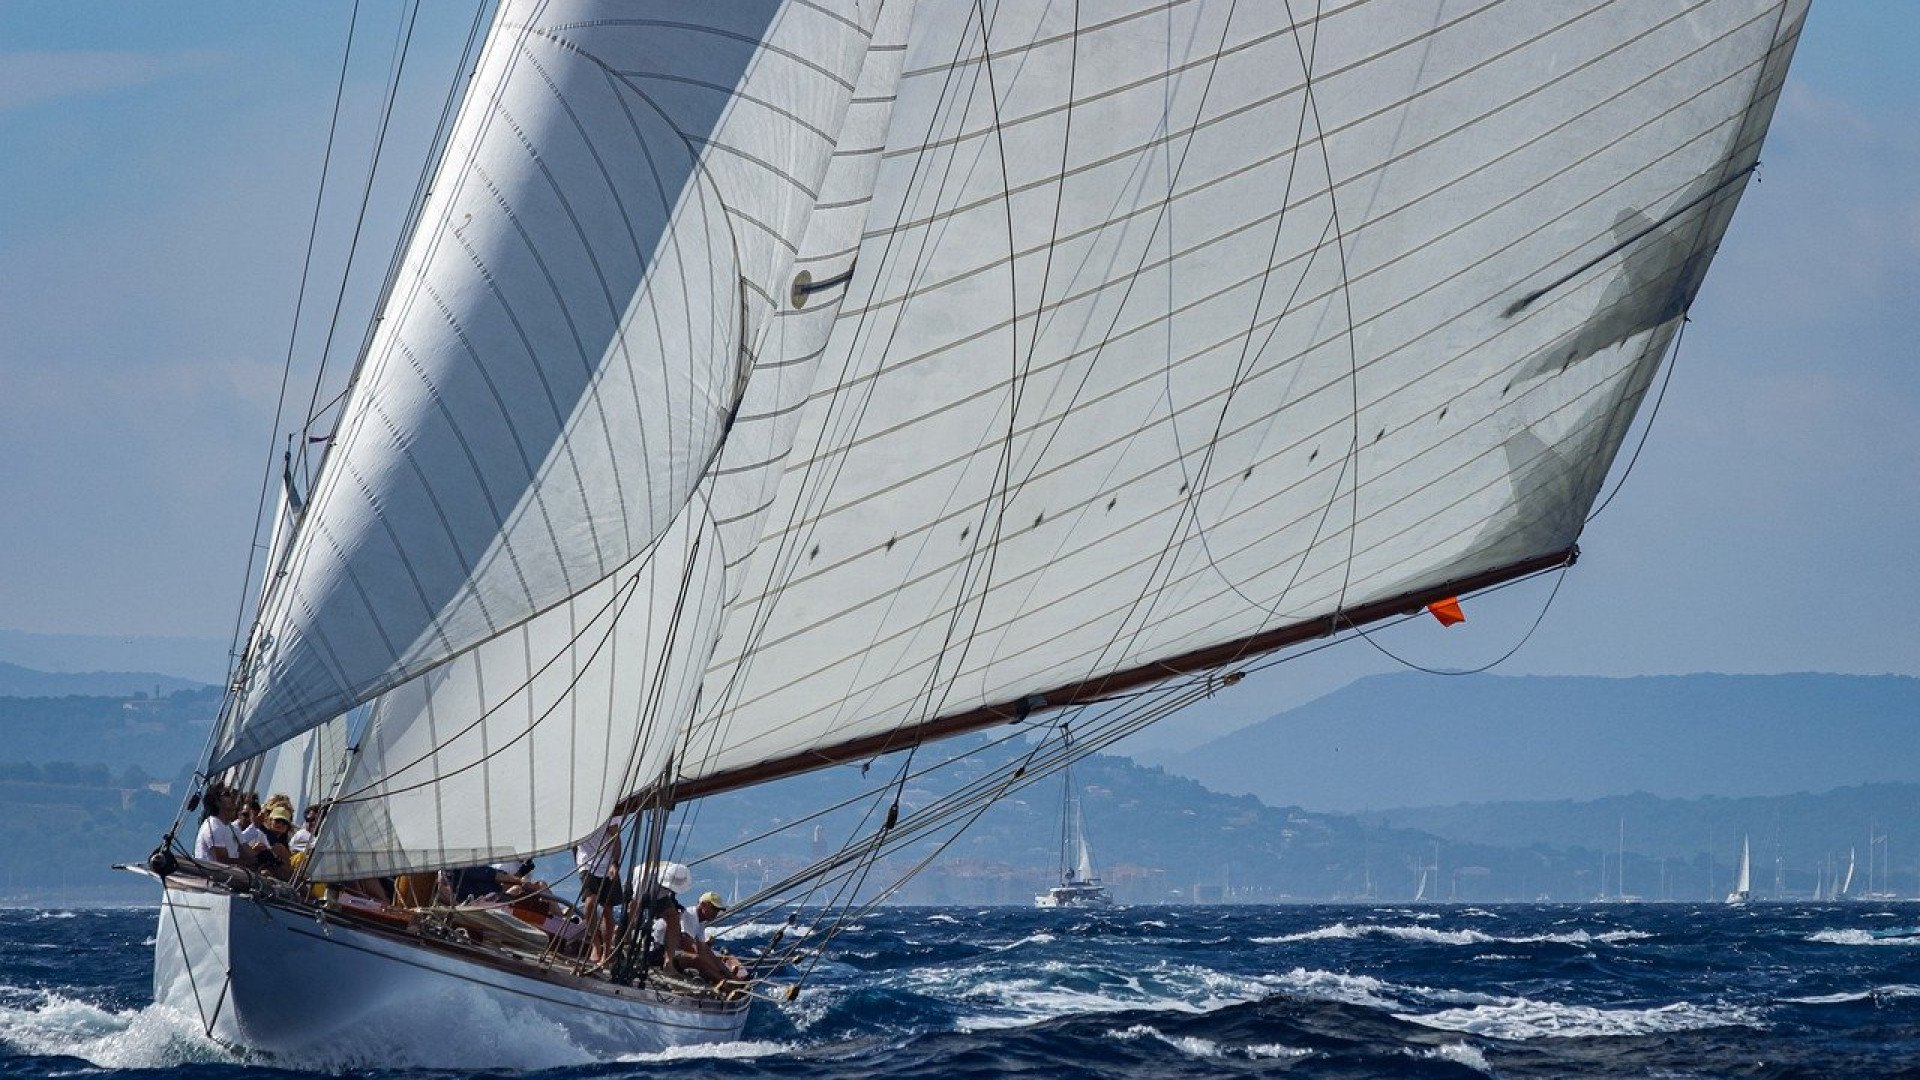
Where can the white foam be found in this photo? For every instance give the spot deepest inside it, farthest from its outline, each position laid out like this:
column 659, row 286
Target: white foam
column 1891, row 992
column 733, row 1051
column 1863, row 937
column 1459, row 1054
column 1208, row 1048
column 155, row 1037
column 1054, row 988
column 810, row 1007
column 1268, row 1051
column 1030, row 999
column 1429, row 936
column 468, row 1028
column 1522, row 1018
column 1362, row 990
column 1039, row 938
column 943, row 917
column 1192, row 1047
column 1829, row 999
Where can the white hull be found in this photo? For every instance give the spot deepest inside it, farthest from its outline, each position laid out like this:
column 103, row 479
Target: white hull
column 1080, row 896
column 277, row 981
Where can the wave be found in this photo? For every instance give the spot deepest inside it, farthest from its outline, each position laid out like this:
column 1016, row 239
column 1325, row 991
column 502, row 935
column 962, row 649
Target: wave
column 1194, row 1046
column 1037, row 938
column 733, row 1051
column 1520, row 1019
column 1457, row 1053
column 150, row 1038
column 1877, row 995
column 1866, row 937
column 1429, row 936
column 995, row 998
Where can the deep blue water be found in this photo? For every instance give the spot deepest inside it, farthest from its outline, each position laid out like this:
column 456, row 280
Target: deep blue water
column 1321, row 991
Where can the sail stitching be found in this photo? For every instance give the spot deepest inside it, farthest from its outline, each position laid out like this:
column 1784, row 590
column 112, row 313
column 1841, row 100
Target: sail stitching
column 787, row 548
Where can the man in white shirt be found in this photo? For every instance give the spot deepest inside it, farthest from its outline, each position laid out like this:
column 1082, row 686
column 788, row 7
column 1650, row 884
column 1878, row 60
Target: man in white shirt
column 693, row 951
column 303, row 836
column 217, row 842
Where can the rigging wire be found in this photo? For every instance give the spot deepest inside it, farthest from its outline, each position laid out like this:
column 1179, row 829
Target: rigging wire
column 293, row 333
column 240, row 626
column 402, row 50
column 1646, row 429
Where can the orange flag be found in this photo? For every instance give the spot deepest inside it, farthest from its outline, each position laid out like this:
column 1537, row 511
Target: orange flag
column 1447, row 611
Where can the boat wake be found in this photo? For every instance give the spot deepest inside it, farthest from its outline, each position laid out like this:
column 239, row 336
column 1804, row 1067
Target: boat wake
column 44, row 1024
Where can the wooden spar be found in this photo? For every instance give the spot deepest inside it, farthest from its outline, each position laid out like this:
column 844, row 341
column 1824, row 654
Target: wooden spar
column 1213, row 656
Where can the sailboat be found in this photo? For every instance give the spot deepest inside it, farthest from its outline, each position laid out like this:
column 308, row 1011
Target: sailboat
column 1079, row 885
column 1743, row 880
column 769, row 387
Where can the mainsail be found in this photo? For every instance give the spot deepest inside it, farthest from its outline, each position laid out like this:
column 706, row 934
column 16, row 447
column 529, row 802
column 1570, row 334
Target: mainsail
column 772, row 384
column 1176, row 324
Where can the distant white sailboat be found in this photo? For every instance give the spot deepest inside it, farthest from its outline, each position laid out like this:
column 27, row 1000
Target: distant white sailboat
column 1846, row 883
column 1743, row 886
column 1079, row 885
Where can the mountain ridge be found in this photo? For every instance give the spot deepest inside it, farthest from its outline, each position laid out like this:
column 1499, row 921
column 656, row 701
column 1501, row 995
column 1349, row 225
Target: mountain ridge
column 17, row 681
column 1409, row 739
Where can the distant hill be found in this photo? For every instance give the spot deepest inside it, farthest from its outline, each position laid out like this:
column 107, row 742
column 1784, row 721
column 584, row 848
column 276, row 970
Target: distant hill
column 17, row 681
column 1797, row 840
column 159, row 734
column 1412, row 739
column 201, row 659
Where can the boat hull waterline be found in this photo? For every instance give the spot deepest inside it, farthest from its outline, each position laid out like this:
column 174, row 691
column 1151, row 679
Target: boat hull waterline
column 274, row 980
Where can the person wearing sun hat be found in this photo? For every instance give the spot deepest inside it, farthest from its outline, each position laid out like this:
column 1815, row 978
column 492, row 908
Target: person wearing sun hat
column 711, row 906
column 277, row 826
column 695, row 951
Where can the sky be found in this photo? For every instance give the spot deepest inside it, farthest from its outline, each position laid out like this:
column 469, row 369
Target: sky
column 159, row 164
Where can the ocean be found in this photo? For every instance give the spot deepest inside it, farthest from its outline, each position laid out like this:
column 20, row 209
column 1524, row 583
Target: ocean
column 1619, row 990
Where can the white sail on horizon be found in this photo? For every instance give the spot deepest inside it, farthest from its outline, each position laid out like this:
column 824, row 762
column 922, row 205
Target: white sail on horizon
column 1151, row 328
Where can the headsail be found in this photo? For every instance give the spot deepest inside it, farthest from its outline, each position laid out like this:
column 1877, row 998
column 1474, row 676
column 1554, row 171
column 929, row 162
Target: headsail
column 557, row 362
column 551, row 723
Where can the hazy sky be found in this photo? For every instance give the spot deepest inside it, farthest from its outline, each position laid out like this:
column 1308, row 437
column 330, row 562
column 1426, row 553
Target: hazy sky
column 159, row 165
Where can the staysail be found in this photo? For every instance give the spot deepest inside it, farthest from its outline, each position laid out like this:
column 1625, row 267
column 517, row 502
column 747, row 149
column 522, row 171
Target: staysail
column 981, row 355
